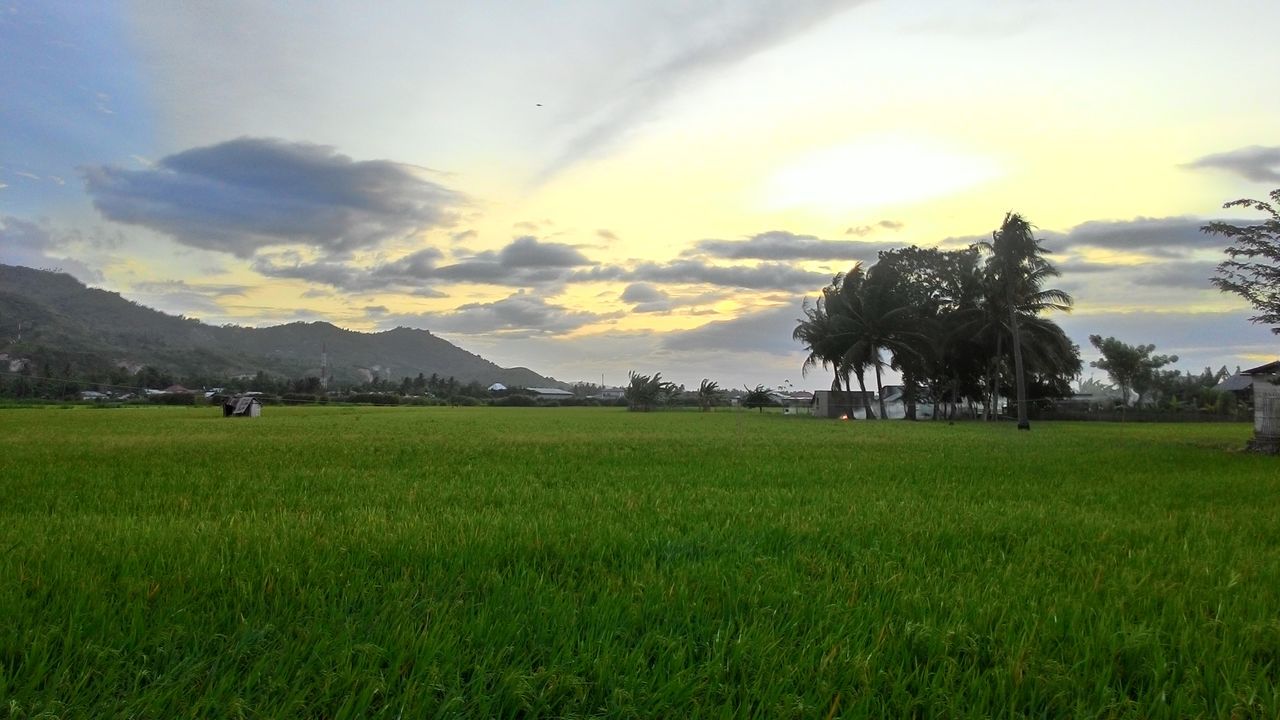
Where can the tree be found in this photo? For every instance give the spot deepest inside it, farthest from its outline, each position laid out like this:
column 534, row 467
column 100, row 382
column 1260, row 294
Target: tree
column 709, row 393
column 1131, row 367
column 1017, row 270
column 757, row 398
column 1253, row 272
column 644, row 392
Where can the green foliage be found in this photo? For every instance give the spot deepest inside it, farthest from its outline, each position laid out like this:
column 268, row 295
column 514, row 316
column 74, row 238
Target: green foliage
column 709, row 394
column 646, row 392
column 1253, row 270
column 1131, row 367
column 758, row 397
column 345, row 562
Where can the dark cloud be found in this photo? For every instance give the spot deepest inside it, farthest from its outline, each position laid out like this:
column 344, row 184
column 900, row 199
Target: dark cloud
column 524, row 262
column 1187, row 274
column 519, row 314
column 1256, row 163
column 246, row 194
column 463, row 236
column 865, row 230
column 765, row 276
column 767, row 331
column 527, row 252
column 642, row 293
column 1166, row 236
column 783, row 245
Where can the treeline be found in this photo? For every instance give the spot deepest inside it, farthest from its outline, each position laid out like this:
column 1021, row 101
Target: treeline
column 64, row 382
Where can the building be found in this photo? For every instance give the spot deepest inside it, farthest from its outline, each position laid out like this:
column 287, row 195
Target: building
column 840, row 404
column 242, row 406
column 793, row 403
column 549, row 393
column 1266, row 407
column 497, row 387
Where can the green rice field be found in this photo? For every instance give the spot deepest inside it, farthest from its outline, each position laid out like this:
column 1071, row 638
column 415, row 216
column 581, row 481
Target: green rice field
column 588, row 562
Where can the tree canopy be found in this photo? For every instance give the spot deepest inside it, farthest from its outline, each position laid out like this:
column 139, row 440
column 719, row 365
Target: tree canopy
column 1131, row 367
column 1253, row 270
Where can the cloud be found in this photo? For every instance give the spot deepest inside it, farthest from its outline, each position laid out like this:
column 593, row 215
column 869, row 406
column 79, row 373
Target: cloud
column 1184, row 274
column 642, row 293
column 520, row 314
column 1164, row 236
column 864, row 230
column 767, row 331
column 34, row 245
column 463, row 236
column 1198, row 338
column 183, row 298
column 523, row 262
column 696, row 40
column 527, row 252
column 783, row 245
column 606, row 234
column 246, row 194
column 765, row 276
column 1255, row 162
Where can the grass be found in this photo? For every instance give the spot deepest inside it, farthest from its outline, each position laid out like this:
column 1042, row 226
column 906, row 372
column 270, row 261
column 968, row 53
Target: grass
column 483, row 562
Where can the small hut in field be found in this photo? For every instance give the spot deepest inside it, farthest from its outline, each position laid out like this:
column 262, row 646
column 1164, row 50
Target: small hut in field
column 242, row 406
column 1266, row 407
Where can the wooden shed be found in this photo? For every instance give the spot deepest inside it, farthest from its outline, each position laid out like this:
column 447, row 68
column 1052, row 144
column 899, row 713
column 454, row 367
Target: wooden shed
column 242, row 406
column 1266, row 407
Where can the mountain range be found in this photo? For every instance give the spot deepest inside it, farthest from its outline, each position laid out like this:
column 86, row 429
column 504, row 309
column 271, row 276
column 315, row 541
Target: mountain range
column 54, row 317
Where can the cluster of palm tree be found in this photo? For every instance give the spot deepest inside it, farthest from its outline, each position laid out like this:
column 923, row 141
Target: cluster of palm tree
column 958, row 325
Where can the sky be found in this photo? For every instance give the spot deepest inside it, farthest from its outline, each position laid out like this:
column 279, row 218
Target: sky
column 587, row 188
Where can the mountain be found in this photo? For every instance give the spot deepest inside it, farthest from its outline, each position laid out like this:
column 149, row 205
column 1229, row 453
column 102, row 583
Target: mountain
column 56, row 317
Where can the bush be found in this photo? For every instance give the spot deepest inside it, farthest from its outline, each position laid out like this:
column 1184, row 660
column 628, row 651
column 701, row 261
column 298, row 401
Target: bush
column 463, row 401
column 373, row 399
column 173, row 399
column 515, row 401
column 303, row 399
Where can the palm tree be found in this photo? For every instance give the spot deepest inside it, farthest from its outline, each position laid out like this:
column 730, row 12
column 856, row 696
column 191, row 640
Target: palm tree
column 1016, row 271
column 871, row 321
column 709, row 393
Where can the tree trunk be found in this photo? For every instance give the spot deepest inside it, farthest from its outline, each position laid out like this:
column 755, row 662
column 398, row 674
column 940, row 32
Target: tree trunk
column 862, row 385
column 993, row 386
column 1020, row 381
column 909, row 395
column 880, row 392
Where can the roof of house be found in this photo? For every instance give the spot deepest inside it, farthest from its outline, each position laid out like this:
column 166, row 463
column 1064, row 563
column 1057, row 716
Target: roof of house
column 497, row 386
column 1269, row 368
column 177, row 389
column 550, row 391
column 1235, row 383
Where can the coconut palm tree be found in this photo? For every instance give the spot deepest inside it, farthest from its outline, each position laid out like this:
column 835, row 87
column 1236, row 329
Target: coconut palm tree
column 1016, row 272
column 874, row 320
column 709, row 393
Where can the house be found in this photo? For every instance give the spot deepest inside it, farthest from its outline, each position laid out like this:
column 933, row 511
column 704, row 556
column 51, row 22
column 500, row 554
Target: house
column 793, row 403
column 176, row 390
column 549, row 393
column 1266, row 407
column 242, row 406
column 497, row 387
column 93, row 395
column 1239, row 384
column 840, row 404
column 610, row 393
